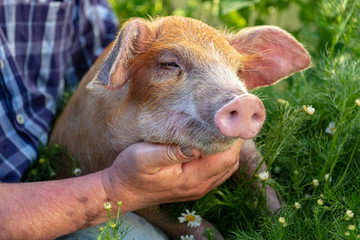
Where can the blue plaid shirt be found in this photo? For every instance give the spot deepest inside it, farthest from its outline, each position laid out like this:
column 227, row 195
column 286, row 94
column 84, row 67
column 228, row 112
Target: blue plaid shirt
column 44, row 45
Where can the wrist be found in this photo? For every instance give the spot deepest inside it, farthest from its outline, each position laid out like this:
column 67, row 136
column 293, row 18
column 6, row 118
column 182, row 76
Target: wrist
column 114, row 191
column 92, row 187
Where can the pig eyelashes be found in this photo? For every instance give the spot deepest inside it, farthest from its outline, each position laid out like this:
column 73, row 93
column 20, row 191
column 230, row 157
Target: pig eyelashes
column 169, row 65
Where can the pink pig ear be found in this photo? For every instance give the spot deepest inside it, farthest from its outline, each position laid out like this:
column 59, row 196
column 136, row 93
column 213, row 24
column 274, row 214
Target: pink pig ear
column 133, row 39
column 270, row 54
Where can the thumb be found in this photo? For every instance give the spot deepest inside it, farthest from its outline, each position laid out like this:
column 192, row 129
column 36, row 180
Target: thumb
column 159, row 156
column 176, row 154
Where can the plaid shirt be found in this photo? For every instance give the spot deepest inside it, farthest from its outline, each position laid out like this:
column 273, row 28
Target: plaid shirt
column 44, row 46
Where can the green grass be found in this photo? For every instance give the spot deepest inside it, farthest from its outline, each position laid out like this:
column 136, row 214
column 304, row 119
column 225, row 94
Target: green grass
column 295, row 145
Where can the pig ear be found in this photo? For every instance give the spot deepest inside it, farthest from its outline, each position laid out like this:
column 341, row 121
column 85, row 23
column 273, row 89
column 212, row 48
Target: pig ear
column 133, row 39
column 270, row 54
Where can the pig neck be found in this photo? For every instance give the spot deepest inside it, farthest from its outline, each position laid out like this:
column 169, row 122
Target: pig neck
column 122, row 126
column 114, row 127
column 86, row 127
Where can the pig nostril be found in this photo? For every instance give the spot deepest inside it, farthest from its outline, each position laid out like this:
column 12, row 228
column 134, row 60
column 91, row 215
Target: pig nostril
column 256, row 118
column 233, row 113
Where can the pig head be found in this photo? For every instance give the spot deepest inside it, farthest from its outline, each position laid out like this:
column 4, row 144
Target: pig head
column 175, row 80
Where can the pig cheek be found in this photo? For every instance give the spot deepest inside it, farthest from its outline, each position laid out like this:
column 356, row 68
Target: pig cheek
column 159, row 126
column 161, row 118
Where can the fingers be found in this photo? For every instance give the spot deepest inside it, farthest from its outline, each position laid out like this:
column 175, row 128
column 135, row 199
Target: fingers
column 225, row 176
column 203, row 187
column 209, row 172
column 209, row 166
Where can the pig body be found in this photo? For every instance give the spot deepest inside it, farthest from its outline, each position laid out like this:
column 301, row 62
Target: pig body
column 175, row 80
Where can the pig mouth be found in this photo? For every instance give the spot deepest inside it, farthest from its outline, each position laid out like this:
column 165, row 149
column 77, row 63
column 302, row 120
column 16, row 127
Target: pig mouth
column 183, row 129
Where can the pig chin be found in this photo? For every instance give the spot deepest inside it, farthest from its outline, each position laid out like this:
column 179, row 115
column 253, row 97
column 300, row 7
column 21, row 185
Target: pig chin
column 206, row 137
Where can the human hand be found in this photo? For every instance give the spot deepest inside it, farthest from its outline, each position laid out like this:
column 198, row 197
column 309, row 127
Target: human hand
column 151, row 174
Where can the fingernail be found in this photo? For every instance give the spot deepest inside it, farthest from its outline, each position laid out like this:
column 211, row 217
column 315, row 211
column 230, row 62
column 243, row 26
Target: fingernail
column 188, row 152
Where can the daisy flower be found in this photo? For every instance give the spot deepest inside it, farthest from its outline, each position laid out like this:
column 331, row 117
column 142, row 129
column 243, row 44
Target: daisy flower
column 331, row 128
column 357, row 101
column 77, row 172
column 315, row 182
column 349, row 213
column 309, row 109
column 107, row 205
column 297, row 205
column 263, row 176
column 326, row 177
column 187, row 237
column 351, row 227
column 112, row 225
column 190, row 217
column 282, row 221
column 320, row 202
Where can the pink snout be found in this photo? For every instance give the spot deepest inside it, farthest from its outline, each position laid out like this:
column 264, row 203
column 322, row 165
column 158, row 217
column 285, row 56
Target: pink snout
column 242, row 117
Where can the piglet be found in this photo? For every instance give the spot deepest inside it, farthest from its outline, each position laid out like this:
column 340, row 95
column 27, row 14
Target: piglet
column 176, row 80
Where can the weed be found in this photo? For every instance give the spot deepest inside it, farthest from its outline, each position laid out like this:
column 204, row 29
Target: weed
column 114, row 228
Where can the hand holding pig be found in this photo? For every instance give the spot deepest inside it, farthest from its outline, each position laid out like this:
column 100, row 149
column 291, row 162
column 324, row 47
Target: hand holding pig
column 148, row 174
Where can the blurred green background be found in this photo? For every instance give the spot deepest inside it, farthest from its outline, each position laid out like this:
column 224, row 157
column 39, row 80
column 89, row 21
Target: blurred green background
column 312, row 22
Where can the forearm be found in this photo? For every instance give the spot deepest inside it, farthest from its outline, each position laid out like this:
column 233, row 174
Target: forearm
column 45, row 210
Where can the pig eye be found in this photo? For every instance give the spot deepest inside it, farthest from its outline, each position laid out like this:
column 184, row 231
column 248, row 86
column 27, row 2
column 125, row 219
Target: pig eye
column 169, row 65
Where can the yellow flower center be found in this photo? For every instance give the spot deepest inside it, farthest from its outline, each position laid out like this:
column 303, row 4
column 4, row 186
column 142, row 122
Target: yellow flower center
column 190, row 218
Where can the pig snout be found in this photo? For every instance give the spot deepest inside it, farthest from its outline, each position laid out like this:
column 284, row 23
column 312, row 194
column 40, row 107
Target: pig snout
column 242, row 117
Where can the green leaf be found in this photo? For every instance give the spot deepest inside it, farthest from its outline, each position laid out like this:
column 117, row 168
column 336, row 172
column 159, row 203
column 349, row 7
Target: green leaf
column 234, row 5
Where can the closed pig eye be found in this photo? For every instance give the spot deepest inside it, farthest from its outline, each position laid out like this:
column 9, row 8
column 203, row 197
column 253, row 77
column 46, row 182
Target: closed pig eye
column 169, row 65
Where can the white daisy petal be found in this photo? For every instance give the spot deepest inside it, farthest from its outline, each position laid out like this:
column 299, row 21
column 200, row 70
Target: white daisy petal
column 309, row 109
column 187, row 237
column 182, row 219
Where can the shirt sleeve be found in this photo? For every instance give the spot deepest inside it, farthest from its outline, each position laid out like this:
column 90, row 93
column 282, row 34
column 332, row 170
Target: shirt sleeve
column 44, row 46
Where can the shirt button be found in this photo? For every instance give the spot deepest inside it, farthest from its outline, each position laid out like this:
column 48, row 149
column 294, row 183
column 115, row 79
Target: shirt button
column 20, row 119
